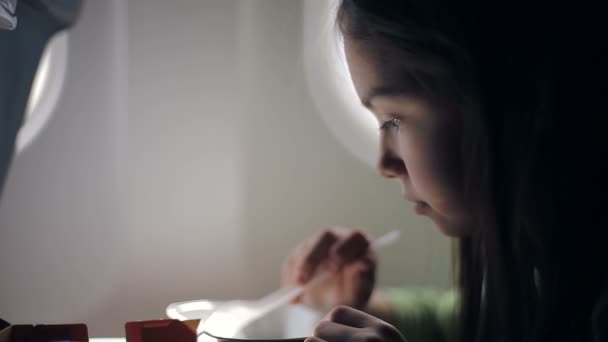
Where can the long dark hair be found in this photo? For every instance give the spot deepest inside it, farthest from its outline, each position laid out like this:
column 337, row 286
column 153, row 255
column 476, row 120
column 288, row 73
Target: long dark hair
column 531, row 153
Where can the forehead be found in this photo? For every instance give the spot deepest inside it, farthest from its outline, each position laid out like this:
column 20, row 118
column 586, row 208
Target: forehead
column 376, row 68
column 404, row 71
column 364, row 62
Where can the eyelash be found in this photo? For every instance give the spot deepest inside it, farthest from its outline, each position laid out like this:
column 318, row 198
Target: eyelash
column 394, row 122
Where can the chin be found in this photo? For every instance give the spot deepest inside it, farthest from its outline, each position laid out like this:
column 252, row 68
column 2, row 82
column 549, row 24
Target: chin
column 448, row 227
column 449, row 231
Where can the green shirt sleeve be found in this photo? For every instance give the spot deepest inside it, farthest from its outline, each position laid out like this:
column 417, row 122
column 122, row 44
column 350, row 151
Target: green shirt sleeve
column 426, row 315
column 423, row 314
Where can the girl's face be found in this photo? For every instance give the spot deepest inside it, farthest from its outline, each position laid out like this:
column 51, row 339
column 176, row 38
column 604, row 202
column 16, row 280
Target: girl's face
column 419, row 140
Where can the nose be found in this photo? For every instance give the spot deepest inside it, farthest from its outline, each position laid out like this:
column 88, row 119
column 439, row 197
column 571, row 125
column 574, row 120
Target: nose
column 390, row 165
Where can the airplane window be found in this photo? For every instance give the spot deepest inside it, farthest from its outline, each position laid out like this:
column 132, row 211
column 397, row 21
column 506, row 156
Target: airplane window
column 330, row 85
column 45, row 91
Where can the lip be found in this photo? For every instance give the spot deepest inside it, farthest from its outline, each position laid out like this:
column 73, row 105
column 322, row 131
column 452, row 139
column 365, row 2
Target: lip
column 420, row 207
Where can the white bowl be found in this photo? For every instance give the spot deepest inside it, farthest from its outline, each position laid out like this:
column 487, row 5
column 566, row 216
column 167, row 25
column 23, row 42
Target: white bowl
column 288, row 322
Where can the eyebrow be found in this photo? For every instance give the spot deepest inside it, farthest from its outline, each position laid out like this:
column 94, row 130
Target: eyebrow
column 383, row 91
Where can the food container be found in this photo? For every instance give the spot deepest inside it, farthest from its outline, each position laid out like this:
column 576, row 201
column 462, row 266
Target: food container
column 289, row 323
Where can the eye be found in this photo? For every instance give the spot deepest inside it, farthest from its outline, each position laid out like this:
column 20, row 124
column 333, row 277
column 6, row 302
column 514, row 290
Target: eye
column 394, row 122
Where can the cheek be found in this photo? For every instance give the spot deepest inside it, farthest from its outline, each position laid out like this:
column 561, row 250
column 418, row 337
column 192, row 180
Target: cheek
column 433, row 163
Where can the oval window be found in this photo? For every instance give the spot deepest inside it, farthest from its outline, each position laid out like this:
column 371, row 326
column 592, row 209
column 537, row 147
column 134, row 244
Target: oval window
column 330, row 84
column 45, row 91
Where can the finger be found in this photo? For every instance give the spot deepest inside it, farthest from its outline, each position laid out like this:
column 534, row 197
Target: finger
column 347, row 324
column 289, row 276
column 296, row 300
column 358, row 282
column 293, row 264
column 331, row 331
column 319, row 253
column 350, row 249
column 347, row 316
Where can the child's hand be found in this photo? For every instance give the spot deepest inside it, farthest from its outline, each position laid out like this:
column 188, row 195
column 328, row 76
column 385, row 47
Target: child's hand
column 348, row 324
column 344, row 251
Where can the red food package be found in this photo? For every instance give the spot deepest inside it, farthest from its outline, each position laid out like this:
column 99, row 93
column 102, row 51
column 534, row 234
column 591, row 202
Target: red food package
column 159, row 331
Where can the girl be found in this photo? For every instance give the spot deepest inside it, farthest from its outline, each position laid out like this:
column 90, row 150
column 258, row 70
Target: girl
column 488, row 123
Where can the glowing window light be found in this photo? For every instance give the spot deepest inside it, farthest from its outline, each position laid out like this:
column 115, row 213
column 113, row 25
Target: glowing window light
column 45, row 92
